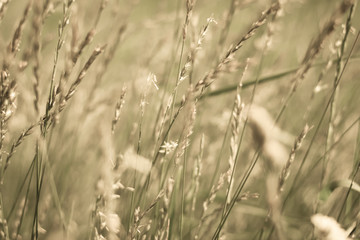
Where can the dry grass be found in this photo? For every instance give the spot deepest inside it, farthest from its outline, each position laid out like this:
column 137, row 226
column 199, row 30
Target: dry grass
column 179, row 120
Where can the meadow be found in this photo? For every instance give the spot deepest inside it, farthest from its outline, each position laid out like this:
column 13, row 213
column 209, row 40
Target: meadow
column 180, row 119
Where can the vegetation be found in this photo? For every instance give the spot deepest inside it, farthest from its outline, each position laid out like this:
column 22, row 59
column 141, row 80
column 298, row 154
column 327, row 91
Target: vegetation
column 179, row 119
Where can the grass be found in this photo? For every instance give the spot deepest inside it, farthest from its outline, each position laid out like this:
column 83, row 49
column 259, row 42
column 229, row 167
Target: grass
column 179, row 120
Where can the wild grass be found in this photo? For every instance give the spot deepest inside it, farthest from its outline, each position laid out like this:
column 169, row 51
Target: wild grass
column 179, row 120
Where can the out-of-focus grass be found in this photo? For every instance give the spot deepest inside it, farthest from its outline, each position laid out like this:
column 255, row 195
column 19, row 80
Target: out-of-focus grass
column 86, row 182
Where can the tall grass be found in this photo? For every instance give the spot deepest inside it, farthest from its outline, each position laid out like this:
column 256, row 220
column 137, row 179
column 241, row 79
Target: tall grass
column 179, row 120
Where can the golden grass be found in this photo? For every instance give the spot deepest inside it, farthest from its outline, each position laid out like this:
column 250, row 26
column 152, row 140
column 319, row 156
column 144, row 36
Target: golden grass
column 179, row 120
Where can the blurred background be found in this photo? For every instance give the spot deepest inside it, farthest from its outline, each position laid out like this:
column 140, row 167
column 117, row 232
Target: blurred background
column 61, row 174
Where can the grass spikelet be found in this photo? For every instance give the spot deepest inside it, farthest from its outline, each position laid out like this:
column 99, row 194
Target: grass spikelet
column 235, row 136
column 17, row 143
column 108, row 56
column 13, row 46
column 187, row 68
column 314, row 48
column 7, row 108
column 315, row 45
column 80, row 77
column 15, row 42
column 60, row 42
column 197, row 173
column 118, row 107
column 36, row 48
column 285, row 172
column 189, row 9
column 225, row 63
column 188, row 129
column 87, row 40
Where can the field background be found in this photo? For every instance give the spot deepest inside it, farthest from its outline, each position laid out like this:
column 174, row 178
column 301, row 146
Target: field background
column 145, row 142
